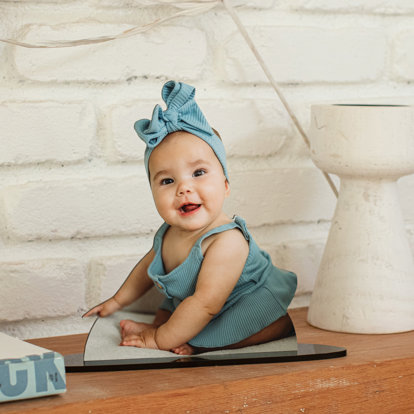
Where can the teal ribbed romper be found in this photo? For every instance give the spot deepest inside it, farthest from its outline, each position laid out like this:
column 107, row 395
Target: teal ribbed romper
column 260, row 297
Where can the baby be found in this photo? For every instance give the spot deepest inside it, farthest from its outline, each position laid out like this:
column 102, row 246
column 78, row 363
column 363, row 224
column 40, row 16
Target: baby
column 221, row 291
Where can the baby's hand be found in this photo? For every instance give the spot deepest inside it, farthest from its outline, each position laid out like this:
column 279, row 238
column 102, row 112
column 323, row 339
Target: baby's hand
column 145, row 339
column 104, row 309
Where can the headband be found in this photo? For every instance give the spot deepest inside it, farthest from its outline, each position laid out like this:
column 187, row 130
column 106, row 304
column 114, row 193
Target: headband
column 182, row 114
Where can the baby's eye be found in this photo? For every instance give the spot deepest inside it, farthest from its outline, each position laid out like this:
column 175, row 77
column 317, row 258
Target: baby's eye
column 199, row 172
column 166, row 181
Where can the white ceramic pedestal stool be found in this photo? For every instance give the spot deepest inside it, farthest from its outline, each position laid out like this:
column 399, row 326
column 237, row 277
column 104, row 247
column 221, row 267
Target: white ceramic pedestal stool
column 365, row 282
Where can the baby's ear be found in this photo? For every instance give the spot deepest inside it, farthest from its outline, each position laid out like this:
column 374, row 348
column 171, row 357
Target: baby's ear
column 227, row 188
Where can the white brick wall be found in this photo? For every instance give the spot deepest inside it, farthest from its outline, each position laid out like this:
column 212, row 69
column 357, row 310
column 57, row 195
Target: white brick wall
column 135, row 56
column 76, row 212
column 78, row 209
column 308, row 55
column 41, row 288
column 357, row 6
column 261, row 130
column 34, row 132
column 123, row 142
column 404, row 56
column 310, row 252
column 277, row 195
column 107, row 274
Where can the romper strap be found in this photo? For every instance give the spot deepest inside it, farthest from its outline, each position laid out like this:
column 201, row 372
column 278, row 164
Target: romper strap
column 159, row 235
column 242, row 226
column 237, row 223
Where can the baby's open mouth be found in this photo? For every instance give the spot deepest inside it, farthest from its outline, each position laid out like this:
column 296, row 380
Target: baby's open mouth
column 189, row 207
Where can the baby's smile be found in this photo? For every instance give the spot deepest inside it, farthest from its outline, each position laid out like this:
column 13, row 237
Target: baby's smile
column 189, row 208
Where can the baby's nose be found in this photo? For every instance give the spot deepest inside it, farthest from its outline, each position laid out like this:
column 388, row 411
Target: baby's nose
column 184, row 187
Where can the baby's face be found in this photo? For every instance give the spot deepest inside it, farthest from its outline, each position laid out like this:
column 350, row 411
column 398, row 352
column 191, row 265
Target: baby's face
column 187, row 182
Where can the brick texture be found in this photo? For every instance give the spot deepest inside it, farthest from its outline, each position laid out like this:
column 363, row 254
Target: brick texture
column 356, row 6
column 135, row 56
column 403, row 58
column 304, row 55
column 79, row 209
column 256, row 4
column 310, row 253
column 123, row 142
column 249, row 128
column 33, row 132
column 40, row 288
column 406, row 190
column 280, row 195
column 107, row 274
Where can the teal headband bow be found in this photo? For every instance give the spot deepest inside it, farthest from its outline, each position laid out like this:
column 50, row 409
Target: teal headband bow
column 182, row 114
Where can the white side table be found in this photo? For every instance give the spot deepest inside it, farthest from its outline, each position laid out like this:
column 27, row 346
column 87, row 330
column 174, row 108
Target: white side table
column 365, row 282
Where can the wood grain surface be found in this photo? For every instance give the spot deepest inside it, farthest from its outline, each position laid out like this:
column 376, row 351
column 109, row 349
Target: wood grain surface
column 377, row 376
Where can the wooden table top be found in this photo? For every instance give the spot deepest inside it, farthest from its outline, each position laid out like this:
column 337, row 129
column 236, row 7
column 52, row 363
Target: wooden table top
column 377, row 376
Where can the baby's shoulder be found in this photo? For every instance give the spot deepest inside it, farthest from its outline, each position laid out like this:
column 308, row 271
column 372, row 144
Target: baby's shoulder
column 231, row 240
column 234, row 235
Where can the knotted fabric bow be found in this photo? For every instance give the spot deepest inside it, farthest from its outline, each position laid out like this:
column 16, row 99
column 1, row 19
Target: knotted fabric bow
column 182, row 114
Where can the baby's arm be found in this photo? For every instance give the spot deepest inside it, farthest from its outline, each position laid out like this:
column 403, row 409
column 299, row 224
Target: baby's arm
column 136, row 284
column 222, row 266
